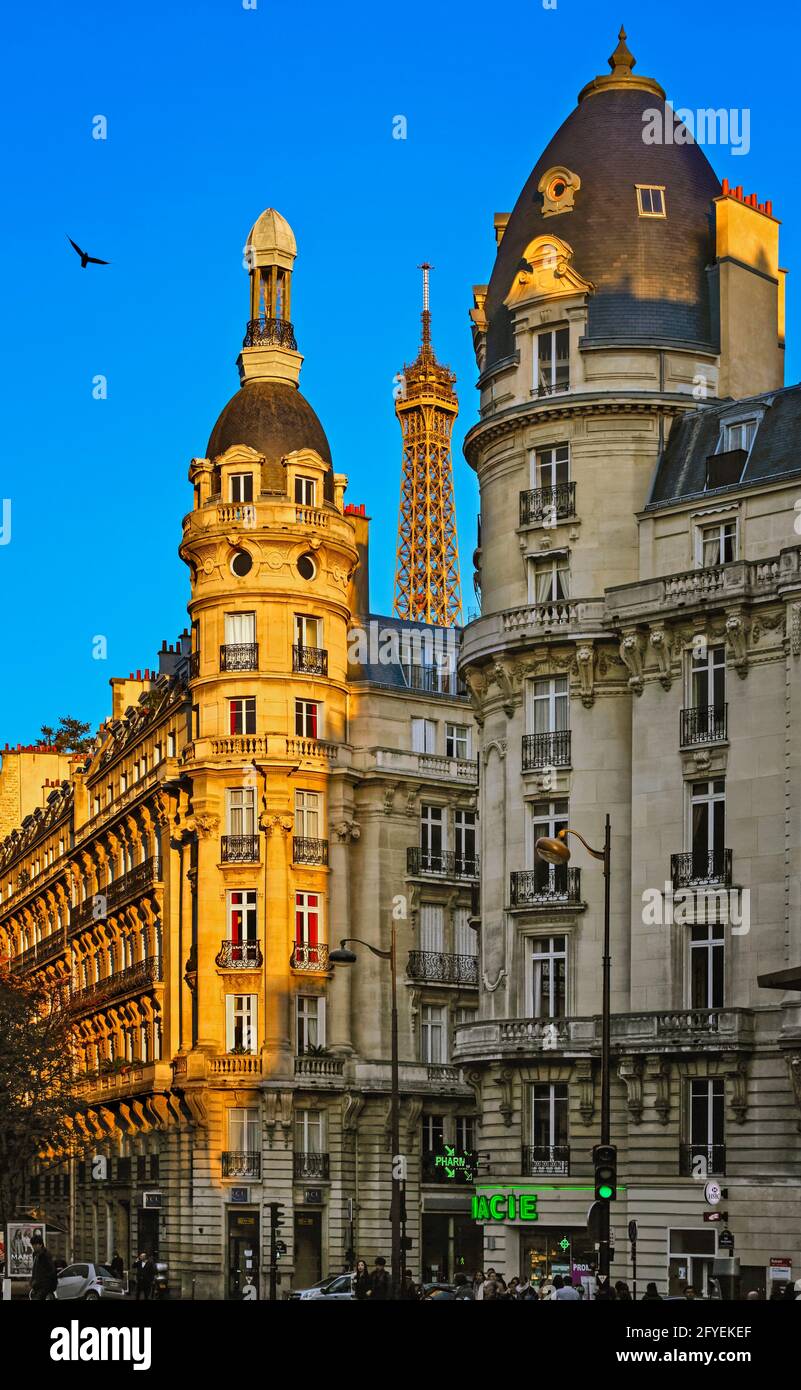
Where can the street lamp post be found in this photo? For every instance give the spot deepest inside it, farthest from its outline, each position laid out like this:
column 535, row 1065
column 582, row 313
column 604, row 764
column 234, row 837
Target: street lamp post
column 556, row 852
column 343, row 956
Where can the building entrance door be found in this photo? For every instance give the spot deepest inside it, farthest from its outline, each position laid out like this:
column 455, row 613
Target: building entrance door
column 308, row 1248
column 243, row 1250
column 148, row 1232
column 562, row 1250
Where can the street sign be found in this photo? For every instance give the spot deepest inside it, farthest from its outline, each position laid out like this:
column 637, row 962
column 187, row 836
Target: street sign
column 313, row 1196
column 715, row 1215
column 151, row 1201
column 239, row 1194
column 632, row 1231
column 714, row 1193
column 726, row 1240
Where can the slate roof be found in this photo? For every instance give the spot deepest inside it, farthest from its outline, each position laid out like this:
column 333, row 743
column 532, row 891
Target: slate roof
column 273, row 418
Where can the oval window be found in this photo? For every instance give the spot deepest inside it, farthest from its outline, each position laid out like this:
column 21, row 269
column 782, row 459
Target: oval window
column 241, row 563
column 307, row 566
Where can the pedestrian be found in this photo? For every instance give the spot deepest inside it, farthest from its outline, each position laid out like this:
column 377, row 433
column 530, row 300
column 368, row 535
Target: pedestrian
column 464, row 1289
column 491, row 1285
column 43, row 1277
column 408, row 1290
column 116, row 1266
column 651, row 1294
column 479, row 1279
column 564, row 1292
column 361, row 1282
column 139, row 1275
column 546, row 1289
column 513, row 1288
column 790, row 1292
column 623, row 1291
column 604, row 1292
column 530, row 1290
column 690, row 1293
column 777, row 1294
column 380, row 1288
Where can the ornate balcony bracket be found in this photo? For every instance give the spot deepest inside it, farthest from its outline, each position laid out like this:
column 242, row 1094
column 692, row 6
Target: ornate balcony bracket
column 505, row 1080
column 586, row 1083
column 630, row 1071
column 737, row 640
column 794, row 1069
column 585, row 670
column 631, row 652
column 499, row 982
column 661, row 645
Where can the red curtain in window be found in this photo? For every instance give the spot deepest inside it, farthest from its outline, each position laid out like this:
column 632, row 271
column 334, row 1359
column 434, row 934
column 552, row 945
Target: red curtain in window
column 307, row 923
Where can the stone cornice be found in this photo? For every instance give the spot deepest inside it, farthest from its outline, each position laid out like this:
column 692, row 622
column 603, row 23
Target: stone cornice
column 563, row 407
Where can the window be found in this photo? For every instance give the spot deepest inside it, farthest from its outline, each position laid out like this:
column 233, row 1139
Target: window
column 305, row 491
column 241, row 810
column 242, row 915
column 432, row 927
column 547, row 819
column 550, row 468
column 157, row 754
column 309, row 1132
column 433, row 1137
column 738, row 435
column 464, row 841
column 241, row 563
column 548, row 705
column 707, row 1123
column 424, row 736
column 240, row 628
column 650, row 200
column 707, row 827
column 432, row 837
column 552, row 361
column 243, row 1130
column 241, row 487
column 548, row 1116
column 465, row 940
column 308, row 630
column 708, row 678
column 308, row 808
column 242, row 716
column 308, row 718
column 434, row 1033
column 706, row 966
column 240, row 1022
column 310, row 1020
column 171, row 745
column 307, row 567
column 307, row 925
column 548, row 976
column 549, row 579
column 457, row 741
column 465, row 1133
column 717, row 543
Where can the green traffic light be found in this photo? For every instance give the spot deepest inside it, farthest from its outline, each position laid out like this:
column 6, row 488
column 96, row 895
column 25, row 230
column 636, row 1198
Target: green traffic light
column 605, row 1191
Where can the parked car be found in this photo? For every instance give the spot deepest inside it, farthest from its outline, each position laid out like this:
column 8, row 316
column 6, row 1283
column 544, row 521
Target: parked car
column 437, row 1291
column 336, row 1286
column 88, row 1281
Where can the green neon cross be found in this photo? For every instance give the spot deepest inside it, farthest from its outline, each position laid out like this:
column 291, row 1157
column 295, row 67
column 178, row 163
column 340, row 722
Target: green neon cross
column 564, row 1243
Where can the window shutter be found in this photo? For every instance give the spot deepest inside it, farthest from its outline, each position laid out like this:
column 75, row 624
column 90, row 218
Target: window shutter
column 321, row 1033
column 229, row 1022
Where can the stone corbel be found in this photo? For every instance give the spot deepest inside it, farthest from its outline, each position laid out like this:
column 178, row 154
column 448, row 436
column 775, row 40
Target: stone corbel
column 630, row 1073
column 285, row 1111
column 141, row 1118
column 499, row 983
column 737, row 640
column 389, row 797
column 276, row 825
column 662, row 647
column 348, row 831
column 585, row 670
column 631, row 655
column 658, row 1073
column 737, row 1089
column 352, row 1107
column 196, row 1108
column 794, row 1070
column 270, row 1098
column 586, row 1083
column 503, row 681
column 794, row 629
column 411, row 799
column 205, row 825
column 505, row 1081
column 414, row 1109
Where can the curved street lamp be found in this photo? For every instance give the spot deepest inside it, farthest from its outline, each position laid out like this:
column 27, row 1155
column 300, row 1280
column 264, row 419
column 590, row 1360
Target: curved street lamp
column 342, row 956
column 557, row 851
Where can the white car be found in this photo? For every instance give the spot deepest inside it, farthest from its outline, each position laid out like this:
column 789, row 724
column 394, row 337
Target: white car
column 88, row 1281
column 338, row 1287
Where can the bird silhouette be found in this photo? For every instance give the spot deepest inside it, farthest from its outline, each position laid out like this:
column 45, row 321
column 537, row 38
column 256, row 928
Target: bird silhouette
column 86, row 259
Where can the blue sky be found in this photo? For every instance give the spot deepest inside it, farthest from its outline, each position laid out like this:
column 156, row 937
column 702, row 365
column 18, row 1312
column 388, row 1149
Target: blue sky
column 215, row 112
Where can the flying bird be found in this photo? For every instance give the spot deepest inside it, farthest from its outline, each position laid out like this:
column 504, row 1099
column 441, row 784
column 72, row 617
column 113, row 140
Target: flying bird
column 86, row 259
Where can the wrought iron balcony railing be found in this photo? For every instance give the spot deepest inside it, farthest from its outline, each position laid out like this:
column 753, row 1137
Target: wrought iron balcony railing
column 135, row 977
column 263, row 332
column 546, row 750
column 697, row 869
column 312, row 661
column 194, row 665
column 309, row 1165
column 309, row 851
column 458, row 1167
column 239, row 656
column 239, row 955
column 551, row 1160
column 705, row 724
column 239, row 849
column 434, row 680
column 443, row 864
column 241, row 1165
column 307, row 957
column 547, row 503
column 435, row 967
column 706, row 1159
column 42, row 951
column 535, row 887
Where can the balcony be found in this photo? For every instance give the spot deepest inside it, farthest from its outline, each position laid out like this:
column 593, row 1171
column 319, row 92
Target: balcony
column 240, row 656
column 239, row 849
column 445, row 864
column 434, row 680
column 724, row 469
column 312, row 1166
column 433, row 967
column 455, row 1167
column 264, row 332
column 310, row 661
column 129, row 981
column 547, row 504
column 308, row 957
column 697, row 869
column 541, row 888
column 238, row 955
column 318, row 1066
column 194, row 665
column 234, row 1064
column 704, row 724
column 539, row 1161
column 546, row 750
column 693, row 1157
column 52, row 946
column 308, row 851
column 241, row 1165
column 672, row 1032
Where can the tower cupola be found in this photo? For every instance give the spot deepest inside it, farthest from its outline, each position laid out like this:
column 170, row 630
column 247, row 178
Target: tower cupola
column 270, row 352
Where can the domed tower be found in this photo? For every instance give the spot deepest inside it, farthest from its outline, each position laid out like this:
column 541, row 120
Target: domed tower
column 271, row 554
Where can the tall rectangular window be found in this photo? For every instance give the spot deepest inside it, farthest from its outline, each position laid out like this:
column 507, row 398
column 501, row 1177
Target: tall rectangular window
column 239, row 628
column 308, row 718
column 308, row 819
column 708, row 827
column 465, row 940
column 553, row 361
column 707, row 1123
column 548, row 976
column 305, row 491
column 308, row 924
column 309, row 1132
column 434, row 1033
column 464, row 842
column 465, row 1133
column 706, row 966
column 550, row 468
column 549, row 1115
column 243, row 1130
column 433, row 1134
column 549, row 580
column 241, row 487
column 718, row 543
column 308, row 630
column 310, row 1021
column 547, row 819
column 432, row 927
column 424, row 736
column 457, row 741
column 241, row 810
column 708, row 678
column 432, row 837
column 242, row 716
column 241, row 1015
column 548, row 705
column 242, row 915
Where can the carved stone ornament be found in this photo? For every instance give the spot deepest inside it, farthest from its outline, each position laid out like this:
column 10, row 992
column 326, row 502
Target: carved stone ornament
column 737, row 640
column 661, row 646
column 500, row 980
column 631, row 655
column 506, row 1080
column 206, row 825
column 795, row 629
column 794, row 1070
column 586, row 1084
column 585, row 671
column 348, row 831
column 658, row 1074
column 630, row 1072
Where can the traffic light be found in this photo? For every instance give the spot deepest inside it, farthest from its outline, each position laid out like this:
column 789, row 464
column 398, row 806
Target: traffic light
column 604, row 1157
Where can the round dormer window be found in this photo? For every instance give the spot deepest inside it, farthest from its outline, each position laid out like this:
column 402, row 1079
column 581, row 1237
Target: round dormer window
column 307, row 566
column 241, row 563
